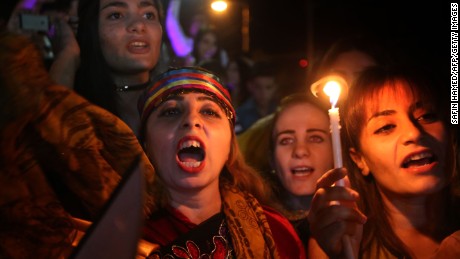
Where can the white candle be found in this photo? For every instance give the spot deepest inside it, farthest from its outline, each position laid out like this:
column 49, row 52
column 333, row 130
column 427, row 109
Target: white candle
column 334, row 118
column 335, row 135
column 332, row 89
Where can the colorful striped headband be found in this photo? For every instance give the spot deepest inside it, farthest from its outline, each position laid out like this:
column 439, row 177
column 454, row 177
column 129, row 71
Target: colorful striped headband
column 183, row 79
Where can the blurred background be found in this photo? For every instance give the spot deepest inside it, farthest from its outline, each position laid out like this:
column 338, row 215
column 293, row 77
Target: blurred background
column 299, row 31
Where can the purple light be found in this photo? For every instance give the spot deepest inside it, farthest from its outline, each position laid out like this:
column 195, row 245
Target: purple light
column 177, row 39
column 29, row 4
column 181, row 44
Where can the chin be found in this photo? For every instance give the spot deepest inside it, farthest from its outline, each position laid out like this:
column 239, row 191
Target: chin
column 434, row 188
column 303, row 192
column 145, row 67
column 138, row 66
column 429, row 187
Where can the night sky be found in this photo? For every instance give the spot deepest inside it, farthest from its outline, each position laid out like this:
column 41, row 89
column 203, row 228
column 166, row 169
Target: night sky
column 295, row 29
column 420, row 28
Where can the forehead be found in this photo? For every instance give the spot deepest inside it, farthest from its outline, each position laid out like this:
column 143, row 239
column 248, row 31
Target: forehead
column 126, row 2
column 301, row 115
column 190, row 97
column 392, row 95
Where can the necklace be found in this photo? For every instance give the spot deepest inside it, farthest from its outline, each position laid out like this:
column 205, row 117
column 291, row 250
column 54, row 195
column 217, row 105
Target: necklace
column 127, row 88
column 291, row 215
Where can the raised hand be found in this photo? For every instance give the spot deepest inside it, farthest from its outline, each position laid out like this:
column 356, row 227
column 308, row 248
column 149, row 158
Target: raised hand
column 334, row 214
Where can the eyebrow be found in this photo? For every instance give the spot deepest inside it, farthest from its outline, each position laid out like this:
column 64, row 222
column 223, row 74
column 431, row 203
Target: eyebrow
column 308, row 131
column 316, row 130
column 381, row 113
column 123, row 4
column 283, row 132
column 114, row 4
column 206, row 98
column 175, row 97
column 147, row 3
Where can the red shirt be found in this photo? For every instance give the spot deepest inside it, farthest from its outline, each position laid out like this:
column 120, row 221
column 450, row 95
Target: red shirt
column 167, row 225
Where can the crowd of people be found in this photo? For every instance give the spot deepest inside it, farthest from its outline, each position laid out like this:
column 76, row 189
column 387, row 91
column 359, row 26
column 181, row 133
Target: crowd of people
column 237, row 162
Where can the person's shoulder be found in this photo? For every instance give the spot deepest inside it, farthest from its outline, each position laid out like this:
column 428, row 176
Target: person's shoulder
column 450, row 246
column 287, row 241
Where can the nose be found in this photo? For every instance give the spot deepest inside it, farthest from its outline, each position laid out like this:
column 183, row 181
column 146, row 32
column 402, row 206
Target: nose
column 136, row 24
column 191, row 120
column 301, row 150
column 412, row 132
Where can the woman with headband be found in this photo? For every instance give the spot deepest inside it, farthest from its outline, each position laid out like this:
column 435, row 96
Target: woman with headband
column 208, row 198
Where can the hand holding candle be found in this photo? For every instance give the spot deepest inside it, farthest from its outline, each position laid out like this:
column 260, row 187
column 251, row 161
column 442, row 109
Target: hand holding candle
column 332, row 88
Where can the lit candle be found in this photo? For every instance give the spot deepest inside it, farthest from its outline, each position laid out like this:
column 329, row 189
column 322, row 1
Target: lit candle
column 332, row 89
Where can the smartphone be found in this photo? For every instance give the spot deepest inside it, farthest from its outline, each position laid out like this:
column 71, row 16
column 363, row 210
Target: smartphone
column 34, row 22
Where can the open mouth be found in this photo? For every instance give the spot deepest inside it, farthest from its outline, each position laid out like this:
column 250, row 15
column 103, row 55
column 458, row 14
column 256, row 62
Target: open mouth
column 190, row 154
column 419, row 159
column 302, row 170
column 138, row 46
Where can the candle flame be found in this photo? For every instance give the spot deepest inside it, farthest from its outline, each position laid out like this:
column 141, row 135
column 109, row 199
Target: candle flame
column 332, row 89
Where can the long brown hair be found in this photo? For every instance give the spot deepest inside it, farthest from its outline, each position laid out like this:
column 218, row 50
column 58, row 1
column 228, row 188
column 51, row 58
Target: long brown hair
column 369, row 85
column 93, row 79
column 244, row 176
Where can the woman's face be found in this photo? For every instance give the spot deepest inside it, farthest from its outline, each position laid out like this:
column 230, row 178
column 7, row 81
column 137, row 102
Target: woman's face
column 207, row 46
column 303, row 149
column 130, row 34
column 403, row 144
column 188, row 139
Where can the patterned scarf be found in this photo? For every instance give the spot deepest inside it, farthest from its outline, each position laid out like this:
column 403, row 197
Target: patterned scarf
column 60, row 156
column 251, row 234
column 61, row 159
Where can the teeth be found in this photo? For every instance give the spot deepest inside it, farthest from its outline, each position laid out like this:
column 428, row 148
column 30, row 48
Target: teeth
column 302, row 170
column 419, row 159
column 419, row 156
column 190, row 143
column 191, row 164
column 138, row 44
